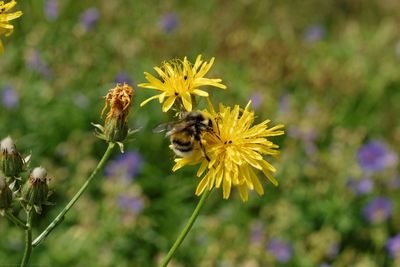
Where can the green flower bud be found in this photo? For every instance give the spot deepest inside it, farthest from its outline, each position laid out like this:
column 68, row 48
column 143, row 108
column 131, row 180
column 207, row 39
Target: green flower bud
column 115, row 130
column 5, row 194
column 36, row 190
column 11, row 162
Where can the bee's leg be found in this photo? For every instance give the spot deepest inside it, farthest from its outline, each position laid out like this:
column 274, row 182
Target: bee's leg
column 203, row 149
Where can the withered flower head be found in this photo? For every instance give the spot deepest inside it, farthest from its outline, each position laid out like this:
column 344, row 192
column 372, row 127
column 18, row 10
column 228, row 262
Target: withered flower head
column 119, row 99
column 118, row 102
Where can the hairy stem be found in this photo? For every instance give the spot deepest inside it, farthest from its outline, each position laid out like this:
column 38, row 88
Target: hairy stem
column 28, row 239
column 185, row 230
column 61, row 215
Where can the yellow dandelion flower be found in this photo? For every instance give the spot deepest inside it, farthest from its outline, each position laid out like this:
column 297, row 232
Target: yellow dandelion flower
column 179, row 80
column 235, row 148
column 5, row 27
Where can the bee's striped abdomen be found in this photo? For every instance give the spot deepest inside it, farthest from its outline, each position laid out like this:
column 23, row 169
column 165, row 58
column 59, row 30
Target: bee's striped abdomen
column 183, row 146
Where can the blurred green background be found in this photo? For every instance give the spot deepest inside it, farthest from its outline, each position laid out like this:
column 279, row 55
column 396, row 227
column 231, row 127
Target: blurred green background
column 328, row 70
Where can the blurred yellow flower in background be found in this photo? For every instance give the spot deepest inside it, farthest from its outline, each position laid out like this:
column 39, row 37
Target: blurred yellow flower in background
column 5, row 27
column 179, row 80
column 235, row 148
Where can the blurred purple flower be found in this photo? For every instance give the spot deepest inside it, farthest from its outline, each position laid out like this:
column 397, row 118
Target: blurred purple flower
column 256, row 99
column 169, row 22
column 310, row 148
column 125, row 166
column 256, row 233
column 314, row 33
column 123, row 77
column 375, row 156
column 307, row 136
column 37, row 64
column 284, row 103
column 333, row 251
column 280, row 249
column 302, row 133
column 325, row 265
column 131, row 203
column 9, row 97
column 51, row 9
column 81, row 100
column 393, row 246
column 89, row 18
column 361, row 187
column 378, row 210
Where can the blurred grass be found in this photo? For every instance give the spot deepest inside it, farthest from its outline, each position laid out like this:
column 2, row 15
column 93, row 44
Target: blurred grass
column 335, row 91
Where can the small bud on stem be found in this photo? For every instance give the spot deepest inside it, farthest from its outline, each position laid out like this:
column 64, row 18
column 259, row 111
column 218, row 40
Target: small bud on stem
column 36, row 190
column 5, row 195
column 11, row 162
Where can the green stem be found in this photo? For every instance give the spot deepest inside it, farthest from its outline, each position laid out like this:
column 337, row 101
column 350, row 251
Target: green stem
column 185, row 230
column 28, row 239
column 15, row 220
column 60, row 216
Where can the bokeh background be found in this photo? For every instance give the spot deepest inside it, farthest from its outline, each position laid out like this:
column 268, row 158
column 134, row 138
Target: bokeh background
column 328, row 70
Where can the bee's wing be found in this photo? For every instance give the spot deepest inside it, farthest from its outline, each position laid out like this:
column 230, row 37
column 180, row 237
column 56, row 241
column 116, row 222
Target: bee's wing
column 173, row 127
column 163, row 127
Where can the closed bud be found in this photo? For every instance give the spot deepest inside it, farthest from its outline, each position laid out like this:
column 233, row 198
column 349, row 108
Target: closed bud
column 5, row 195
column 11, row 162
column 36, row 190
column 115, row 130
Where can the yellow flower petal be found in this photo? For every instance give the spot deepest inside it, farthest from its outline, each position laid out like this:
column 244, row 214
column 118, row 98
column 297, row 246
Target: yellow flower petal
column 161, row 97
column 202, row 168
column 187, row 101
column 245, row 171
column 160, row 72
column 211, row 181
column 219, row 176
column 244, row 195
column 266, row 166
column 202, row 185
column 148, row 100
column 270, row 177
column 256, row 183
column 200, row 92
column 226, row 187
column 168, row 103
column 197, row 63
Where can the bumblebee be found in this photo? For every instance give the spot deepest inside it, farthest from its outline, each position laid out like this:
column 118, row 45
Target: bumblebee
column 186, row 132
